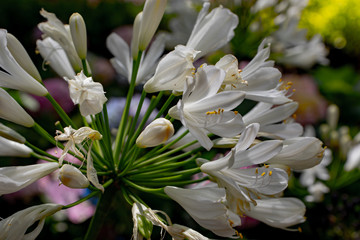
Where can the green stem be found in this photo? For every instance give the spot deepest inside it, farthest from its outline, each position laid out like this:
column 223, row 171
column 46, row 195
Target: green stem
column 60, row 111
column 120, row 135
column 85, row 68
column 102, row 209
column 44, row 133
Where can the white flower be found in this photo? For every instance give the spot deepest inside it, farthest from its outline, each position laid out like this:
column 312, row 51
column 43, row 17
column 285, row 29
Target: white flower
column 203, row 110
column 15, row 227
column 207, row 206
column 259, row 80
column 212, row 30
column 78, row 34
column 238, row 172
column 13, row 149
column 55, row 55
column 55, row 29
column 299, row 153
column 14, row 75
column 151, row 17
column 11, row 110
column 14, row 178
column 88, row 94
column 172, row 70
column 308, row 176
column 317, row 191
column 278, row 212
column 72, row 177
column 269, row 117
column 122, row 62
column 156, row 133
column 353, row 158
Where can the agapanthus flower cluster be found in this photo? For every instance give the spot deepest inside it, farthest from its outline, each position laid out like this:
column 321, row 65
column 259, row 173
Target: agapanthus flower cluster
column 259, row 148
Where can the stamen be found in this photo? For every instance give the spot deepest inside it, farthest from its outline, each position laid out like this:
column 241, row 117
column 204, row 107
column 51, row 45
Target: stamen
column 299, row 228
column 270, row 173
column 256, row 170
column 263, row 174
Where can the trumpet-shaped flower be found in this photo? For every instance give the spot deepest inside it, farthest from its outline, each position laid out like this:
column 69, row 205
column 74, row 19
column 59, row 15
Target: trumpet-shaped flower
column 11, row 110
column 14, row 75
column 172, row 70
column 88, row 94
column 211, row 31
column 299, row 153
column 55, row 29
column 123, row 60
column 259, row 80
column 278, row 212
column 207, row 206
column 14, row 149
column 13, row 179
column 239, row 173
column 156, row 133
column 203, row 110
column 270, row 117
column 15, row 227
column 55, row 56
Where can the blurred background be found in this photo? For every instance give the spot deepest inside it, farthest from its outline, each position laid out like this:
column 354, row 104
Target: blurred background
column 316, row 45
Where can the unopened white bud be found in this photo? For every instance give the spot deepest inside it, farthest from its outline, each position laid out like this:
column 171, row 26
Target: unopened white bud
column 333, row 116
column 152, row 15
column 21, row 56
column 157, row 132
column 78, row 34
column 72, row 177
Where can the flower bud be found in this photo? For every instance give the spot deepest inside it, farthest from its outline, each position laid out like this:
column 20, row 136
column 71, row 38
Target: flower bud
column 157, row 132
column 135, row 36
column 21, row 56
column 152, row 15
column 72, row 177
column 332, row 116
column 78, row 34
column 10, row 134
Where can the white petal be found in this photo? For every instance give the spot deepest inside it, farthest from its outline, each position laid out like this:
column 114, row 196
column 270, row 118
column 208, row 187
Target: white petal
column 247, row 137
column 10, row 110
column 92, row 174
column 284, row 130
column 120, row 49
column 13, row 179
column 278, row 212
column 16, row 77
column 353, row 158
column 13, row 149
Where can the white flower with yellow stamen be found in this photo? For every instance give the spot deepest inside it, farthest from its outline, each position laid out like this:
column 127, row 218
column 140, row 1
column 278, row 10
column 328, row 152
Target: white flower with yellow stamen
column 203, row 110
column 211, row 31
column 241, row 174
column 16, row 226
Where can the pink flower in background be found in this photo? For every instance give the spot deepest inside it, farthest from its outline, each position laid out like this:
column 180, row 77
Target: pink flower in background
column 312, row 105
column 57, row 193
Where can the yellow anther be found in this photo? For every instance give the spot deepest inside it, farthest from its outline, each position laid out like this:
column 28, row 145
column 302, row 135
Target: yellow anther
column 256, row 170
column 231, row 222
column 294, row 90
column 263, row 174
column 299, row 228
column 289, row 83
column 266, row 166
column 280, row 80
column 236, row 112
column 294, row 116
column 239, row 71
column 233, row 85
column 270, row 173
